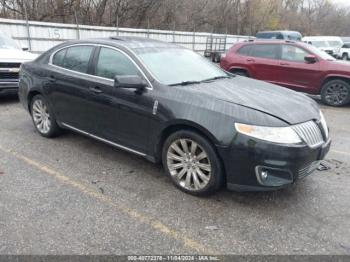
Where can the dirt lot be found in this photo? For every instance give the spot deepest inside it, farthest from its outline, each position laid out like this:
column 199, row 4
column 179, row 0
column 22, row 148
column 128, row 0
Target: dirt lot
column 73, row 195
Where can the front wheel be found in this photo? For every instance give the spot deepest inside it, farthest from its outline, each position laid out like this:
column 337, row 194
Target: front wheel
column 43, row 119
column 336, row 93
column 192, row 163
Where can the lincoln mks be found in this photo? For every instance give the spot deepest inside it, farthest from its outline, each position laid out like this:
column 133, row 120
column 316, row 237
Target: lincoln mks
column 208, row 128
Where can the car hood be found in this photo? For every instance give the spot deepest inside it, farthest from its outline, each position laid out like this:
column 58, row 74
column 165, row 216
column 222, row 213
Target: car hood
column 339, row 65
column 284, row 104
column 16, row 55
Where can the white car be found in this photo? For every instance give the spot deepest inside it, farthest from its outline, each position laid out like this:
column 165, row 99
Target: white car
column 344, row 52
column 11, row 58
column 328, row 44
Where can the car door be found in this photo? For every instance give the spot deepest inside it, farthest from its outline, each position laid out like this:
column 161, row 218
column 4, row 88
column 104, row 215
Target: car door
column 121, row 115
column 264, row 61
column 68, row 85
column 295, row 72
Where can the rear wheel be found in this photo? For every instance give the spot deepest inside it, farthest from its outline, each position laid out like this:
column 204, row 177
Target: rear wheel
column 43, row 119
column 336, row 93
column 192, row 163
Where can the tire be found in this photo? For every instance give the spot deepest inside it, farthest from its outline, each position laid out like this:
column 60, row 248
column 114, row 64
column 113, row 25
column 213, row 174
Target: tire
column 199, row 173
column 43, row 118
column 240, row 73
column 217, row 58
column 336, row 93
column 345, row 57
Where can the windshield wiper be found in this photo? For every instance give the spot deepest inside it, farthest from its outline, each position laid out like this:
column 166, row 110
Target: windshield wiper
column 215, row 78
column 186, row 83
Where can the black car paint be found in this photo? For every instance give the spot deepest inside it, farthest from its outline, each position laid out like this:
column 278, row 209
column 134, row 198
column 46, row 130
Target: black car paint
column 130, row 119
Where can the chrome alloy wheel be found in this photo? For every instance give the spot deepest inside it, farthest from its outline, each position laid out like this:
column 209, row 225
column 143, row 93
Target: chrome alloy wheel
column 189, row 164
column 41, row 116
column 336, row 94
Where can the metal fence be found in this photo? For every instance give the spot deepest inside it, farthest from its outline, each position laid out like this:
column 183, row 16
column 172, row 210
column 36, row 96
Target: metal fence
column 40, row 36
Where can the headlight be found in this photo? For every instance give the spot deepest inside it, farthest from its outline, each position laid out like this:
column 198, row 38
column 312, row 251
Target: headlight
column 324, row 124
column 281, row 135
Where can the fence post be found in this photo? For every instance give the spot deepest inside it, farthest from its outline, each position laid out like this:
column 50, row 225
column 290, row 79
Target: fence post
column 226, row 38
column 77, row 22
column 194, row 37
column 147, row 28
column 117, row 25
column 174, row 29
column 28, row 29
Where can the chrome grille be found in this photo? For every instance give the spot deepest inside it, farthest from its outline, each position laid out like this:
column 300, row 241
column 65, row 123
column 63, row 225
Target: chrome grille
column 8, row 75
column 310, row 132
column 10, row 65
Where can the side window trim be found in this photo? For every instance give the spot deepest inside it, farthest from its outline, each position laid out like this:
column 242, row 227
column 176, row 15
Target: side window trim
column 94, row 61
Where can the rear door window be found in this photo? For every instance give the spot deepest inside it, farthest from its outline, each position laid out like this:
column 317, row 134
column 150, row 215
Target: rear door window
column 269, row 51
column 77, row 58
column 58, row 58
column 245, row 50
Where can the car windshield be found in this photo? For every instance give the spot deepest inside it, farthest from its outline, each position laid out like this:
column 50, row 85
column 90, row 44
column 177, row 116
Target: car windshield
column 320, row 43
column 7, row 43
column 172, row 66
column 320, row 53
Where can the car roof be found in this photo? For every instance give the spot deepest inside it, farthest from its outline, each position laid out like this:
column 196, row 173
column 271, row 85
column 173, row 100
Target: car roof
column 270, row 41
column 280, row 31
column 131, row 42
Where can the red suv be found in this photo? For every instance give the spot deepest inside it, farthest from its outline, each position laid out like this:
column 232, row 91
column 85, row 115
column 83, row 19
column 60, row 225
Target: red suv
column 294, row 65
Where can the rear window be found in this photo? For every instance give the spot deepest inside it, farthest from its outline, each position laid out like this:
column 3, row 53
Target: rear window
column 269, row 36
column 266, row 51
column 245, row 50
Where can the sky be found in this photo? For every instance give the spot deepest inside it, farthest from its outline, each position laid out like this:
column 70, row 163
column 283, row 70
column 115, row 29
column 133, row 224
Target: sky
column 343, row 2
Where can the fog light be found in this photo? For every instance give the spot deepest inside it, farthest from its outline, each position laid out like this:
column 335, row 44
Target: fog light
column 264, row 175
column 273, row 177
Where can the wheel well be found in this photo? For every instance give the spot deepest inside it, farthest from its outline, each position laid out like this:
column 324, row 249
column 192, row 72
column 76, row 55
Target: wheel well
column 30, row 97
column 233, row 70
column 331, row 78
column 174, row 128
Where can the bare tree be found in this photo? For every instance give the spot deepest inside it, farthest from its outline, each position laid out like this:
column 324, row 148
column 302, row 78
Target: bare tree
column 317, row 17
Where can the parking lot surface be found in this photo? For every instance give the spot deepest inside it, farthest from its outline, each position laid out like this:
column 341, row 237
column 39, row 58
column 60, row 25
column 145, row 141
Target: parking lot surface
column 74, row 195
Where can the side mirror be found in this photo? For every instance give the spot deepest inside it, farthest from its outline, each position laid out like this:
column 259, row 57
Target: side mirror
column 25, row 48
column 130, row 81
column 310, row 59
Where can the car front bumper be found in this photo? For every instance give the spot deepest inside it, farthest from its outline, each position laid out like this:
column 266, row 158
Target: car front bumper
column 252, row 165
column 8, row 86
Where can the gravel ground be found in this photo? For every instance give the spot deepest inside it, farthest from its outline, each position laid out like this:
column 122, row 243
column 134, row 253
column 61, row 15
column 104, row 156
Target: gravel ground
column 73, row 195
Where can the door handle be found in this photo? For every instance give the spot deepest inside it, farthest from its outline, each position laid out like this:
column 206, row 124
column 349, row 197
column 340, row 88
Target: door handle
column 95, row 90
column 250, row 60
column 284, row 64
column 52, row 79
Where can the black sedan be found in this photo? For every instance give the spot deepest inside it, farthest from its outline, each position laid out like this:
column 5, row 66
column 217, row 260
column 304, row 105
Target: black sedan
column 168, row 104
